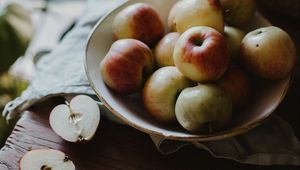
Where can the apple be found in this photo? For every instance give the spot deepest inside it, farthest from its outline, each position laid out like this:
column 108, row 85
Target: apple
column 163, row 51
column 139, row 21
column 238, row 12
column 127, row 65
column 190, row 13
column 234, row 37
column 237, row 84
column 161, row 91
column 46, row 159
column 172, row 14
column 268, row 52
column 205, row 108
column 201, row 54
column 76, row 121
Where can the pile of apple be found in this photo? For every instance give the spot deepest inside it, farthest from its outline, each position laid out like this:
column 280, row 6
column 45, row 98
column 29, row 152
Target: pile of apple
column 194, row 74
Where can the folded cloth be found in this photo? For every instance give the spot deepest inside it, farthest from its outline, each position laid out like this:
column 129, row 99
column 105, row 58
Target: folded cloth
column 61, row 73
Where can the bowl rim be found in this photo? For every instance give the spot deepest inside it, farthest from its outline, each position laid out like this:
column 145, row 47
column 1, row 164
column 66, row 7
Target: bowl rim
column 189, row 137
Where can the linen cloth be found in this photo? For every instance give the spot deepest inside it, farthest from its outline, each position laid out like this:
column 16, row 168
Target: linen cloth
column 62, row 73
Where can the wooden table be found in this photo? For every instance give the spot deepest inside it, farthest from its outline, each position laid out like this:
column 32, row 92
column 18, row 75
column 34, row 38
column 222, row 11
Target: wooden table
column 118, row 146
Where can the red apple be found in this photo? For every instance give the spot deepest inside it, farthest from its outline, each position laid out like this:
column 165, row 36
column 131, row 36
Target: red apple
column 237, row 84
column 139, row 21
column 163, row 51
column 161, row 91
column 189, row 13
column 126, row 65
column 268, row 52
column 201, row 54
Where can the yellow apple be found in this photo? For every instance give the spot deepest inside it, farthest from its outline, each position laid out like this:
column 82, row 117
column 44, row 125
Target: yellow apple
column 268, row 52
column 189, row 13
column 163, row 51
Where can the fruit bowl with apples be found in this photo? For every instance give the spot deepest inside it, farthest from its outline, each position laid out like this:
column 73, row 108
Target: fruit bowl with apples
column 163, row 71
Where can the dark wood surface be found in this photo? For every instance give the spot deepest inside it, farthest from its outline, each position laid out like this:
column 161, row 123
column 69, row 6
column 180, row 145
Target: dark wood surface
column 118, row 146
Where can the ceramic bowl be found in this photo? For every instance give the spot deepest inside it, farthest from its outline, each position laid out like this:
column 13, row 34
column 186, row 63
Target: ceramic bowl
column 264, row 100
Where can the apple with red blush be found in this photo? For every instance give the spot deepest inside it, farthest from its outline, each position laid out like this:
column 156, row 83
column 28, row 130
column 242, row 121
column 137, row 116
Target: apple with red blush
column 138, row 21
column 127, row 65
column 201, row 54
column 237, row 84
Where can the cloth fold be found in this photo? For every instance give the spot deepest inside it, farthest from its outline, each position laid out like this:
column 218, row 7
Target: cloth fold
column 61, row 73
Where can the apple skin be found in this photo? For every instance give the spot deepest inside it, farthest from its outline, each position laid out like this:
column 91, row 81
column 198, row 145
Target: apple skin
column 238, row 12
column 161, row 90
column 138, row 21
column 171, row 17
column 205, row 108
column 234, row 37
column 163, row 51
column 237, row 84
column 190, row 13
column 127, row 65
column 268, row 52
column 201, row 54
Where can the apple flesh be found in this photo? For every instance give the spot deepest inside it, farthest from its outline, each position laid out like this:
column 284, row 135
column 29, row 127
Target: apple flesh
column 190, row 13
column 138, row 21
column 46, row 159
column 161, row 91
column 238, row 12
column 127, row 65
column 237, row 84
column 268, row 52
column 76, row 121
column 234, row 37
column 205, row 108
column 163, row 51
column 201, row 54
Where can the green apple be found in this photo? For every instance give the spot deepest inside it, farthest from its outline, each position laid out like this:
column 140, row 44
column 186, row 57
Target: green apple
column 190, row 13
column 161, row 90
column 234, row 37
column 163, row 51
column 237, row 84
column 268, row 52
column 205, row 108
column 238, row 12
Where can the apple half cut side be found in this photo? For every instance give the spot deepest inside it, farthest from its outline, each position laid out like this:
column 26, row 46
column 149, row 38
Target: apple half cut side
column 46, row 159
column 76, row 121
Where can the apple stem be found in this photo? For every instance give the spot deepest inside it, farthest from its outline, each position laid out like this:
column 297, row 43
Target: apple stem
column 67, row 103
column 45, row 167
column 66, row 159
column 80, row 138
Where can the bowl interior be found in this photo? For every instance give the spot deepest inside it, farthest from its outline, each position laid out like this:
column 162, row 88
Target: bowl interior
column 264, row 100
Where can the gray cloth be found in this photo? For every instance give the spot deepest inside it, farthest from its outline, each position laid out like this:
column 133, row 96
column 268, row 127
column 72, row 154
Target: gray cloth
column 62, row 73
